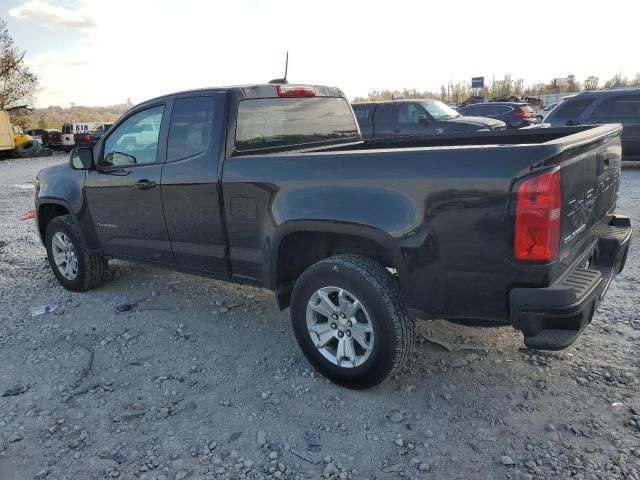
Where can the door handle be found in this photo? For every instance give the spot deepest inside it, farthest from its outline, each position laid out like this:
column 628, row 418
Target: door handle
column 145, row 184
column 396, row 130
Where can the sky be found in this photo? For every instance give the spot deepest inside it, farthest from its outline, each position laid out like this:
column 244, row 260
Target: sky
column 107, row 51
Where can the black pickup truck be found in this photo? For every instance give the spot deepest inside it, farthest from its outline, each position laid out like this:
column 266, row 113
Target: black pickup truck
column 272, row 185
column 407, row 118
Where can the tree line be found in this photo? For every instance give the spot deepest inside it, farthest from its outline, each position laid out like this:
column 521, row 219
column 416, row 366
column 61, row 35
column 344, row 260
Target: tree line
column 505, row 87
column 55, row 116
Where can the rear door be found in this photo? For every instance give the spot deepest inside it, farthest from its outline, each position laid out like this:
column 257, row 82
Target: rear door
column 364, row 114
column 191, row 194
column 123, row 191
column 624, row 109
column 383, row 120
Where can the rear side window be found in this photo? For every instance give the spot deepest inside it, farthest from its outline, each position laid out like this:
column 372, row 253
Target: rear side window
column 470, row 110
column 627, row 106
column 363, row 112
column 190, row 127
column 572, row 108
column 488, row 109
column 501, row 110
column 281, row 122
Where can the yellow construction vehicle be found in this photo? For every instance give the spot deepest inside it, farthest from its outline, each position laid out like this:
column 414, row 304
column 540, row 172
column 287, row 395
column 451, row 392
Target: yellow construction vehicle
column 13, row 140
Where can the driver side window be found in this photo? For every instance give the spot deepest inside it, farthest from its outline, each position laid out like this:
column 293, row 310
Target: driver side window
column 409, row 113
column 134, row 142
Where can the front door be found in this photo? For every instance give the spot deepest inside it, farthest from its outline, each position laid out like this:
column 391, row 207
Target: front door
column 412, row 120
column 123, row 191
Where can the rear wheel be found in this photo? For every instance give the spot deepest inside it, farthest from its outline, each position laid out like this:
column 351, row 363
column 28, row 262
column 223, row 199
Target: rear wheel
column 75, row 267
column 350, row 320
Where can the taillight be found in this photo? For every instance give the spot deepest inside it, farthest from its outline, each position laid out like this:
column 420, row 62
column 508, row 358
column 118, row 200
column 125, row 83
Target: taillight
column 538, row 209
column 87, row 137
column 296, row 91
column 520, row 113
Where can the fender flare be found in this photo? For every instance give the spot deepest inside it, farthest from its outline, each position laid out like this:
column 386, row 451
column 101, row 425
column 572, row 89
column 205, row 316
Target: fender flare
column 89, row 239
column 368, row 232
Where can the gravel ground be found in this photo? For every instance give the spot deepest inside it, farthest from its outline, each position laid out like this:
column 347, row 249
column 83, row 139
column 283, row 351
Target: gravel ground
column 204, row 380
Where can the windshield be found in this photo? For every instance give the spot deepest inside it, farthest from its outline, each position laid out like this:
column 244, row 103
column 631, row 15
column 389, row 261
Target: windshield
column 439, row 110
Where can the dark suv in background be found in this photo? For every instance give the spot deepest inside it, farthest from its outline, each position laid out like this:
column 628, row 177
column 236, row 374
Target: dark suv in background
column 604, row 106
column 403, row 118
column 515, row 115
column 49, row 137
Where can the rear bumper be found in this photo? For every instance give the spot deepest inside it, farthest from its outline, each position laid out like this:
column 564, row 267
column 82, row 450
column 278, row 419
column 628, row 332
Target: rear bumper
column 552, row 318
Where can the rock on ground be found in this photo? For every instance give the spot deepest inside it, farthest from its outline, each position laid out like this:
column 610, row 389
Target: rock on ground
column 173, row 388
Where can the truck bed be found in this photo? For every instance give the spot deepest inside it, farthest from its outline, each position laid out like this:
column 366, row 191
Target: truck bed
column 501, row 137
column 443, row 205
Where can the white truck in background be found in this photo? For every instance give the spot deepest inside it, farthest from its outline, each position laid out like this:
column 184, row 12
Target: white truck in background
column 70, row 129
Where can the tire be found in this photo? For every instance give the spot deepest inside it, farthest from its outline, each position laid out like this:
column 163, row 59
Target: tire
column 90, row 270
column 30, row 148
column 381, row 310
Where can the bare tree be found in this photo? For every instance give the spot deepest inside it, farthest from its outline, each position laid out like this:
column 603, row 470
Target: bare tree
column 591, row 83
column 572, row 84
column 17, row 83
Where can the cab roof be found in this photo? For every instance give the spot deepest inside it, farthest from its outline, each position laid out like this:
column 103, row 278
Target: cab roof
column 255, row 91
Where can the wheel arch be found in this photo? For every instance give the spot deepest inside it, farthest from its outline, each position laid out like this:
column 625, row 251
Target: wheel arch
column 49, row 208
column 299, row 244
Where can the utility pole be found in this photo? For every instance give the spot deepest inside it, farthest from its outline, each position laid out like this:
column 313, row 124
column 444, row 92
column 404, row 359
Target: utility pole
column 73, row 107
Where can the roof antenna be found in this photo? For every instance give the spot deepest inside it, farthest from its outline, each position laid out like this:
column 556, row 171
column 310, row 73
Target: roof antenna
column 286, row 69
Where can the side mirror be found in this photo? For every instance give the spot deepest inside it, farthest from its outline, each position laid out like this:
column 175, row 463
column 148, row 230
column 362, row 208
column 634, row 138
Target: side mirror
column 81, row 158
column 423, row 119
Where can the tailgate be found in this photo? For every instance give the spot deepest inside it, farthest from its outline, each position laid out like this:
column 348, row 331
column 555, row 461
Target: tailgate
column 590, row 164
column 53, row 137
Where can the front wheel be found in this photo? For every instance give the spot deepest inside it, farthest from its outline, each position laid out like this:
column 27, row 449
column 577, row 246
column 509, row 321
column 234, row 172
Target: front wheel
column 350, row 320
column 73, row 264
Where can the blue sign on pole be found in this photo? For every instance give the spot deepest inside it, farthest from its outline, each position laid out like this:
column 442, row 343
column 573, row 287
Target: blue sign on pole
column 477, row 82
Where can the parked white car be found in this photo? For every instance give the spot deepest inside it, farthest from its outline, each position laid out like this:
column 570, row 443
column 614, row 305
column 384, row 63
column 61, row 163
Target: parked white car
column 540, row 114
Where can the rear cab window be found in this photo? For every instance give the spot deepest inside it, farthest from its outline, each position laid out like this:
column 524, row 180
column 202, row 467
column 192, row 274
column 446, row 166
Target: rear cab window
column 277, row 123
